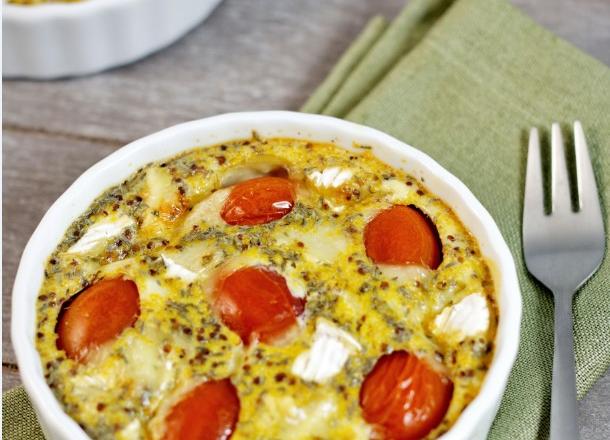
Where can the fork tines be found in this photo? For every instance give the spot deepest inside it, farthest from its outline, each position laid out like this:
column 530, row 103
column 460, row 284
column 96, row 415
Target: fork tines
column 588, row 198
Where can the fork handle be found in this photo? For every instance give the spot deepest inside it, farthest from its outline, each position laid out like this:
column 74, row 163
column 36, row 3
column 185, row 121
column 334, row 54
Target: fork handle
column 564, row 420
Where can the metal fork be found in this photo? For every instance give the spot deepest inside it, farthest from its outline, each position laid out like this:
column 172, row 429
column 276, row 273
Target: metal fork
column 562, row 250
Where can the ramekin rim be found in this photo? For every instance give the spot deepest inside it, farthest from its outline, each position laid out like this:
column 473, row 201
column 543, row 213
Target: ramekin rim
column 494, row 385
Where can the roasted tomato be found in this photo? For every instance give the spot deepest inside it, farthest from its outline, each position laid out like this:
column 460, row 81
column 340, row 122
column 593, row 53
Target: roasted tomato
column 208, row 412
column 403, row 235
column 255, row 303
column 258, row 201
column 403, row 397
column 97, row 315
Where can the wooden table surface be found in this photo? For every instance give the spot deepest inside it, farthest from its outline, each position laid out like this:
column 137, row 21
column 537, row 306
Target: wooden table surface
column 249, row 55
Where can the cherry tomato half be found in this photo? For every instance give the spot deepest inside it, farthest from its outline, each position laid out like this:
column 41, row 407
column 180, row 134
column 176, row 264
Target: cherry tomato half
column 258, row 201
column 402, row 235
column 208, row 412
column 97, row 315
column 403, row 397
column 255, row 302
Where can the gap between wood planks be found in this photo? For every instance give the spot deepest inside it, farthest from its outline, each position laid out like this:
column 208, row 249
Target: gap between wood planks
column 72, row 136
column 10, row 366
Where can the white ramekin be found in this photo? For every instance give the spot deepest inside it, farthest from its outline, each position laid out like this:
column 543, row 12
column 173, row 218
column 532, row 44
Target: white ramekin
column 67, row 39
column 474, row 422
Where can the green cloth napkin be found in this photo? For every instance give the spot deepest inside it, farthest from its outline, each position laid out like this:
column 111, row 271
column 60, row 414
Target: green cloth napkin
column 18, row 418
column 464, row 82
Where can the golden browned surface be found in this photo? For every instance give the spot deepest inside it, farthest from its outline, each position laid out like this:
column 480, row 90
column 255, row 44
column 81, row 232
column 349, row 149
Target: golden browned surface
column 178, row 342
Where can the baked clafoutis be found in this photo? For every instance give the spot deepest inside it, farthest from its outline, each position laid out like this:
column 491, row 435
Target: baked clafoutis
column 267, row 289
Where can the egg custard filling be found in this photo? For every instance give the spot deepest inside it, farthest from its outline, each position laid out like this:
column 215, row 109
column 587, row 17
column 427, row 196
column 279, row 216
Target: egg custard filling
column 267, row 289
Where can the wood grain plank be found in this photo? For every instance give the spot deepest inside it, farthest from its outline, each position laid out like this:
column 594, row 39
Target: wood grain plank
column 36, row 169
column 10, row 378
column 249, row 55
column 261, row 54
column 594, row 411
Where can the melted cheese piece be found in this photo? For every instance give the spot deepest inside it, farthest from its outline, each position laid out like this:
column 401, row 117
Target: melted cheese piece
column 152, row 373
column 133, row 269
column 207, row 211
column 468, row 317
column 133, row 431
column 159, row 187
column 297, row 422
column 100, row 233
column 118, row 268
column 148, row 286
column 328, row 354
column 404, row 274
column 285, row 419
column 332, row 177
column 398, row 192
column 321, row 245
column 258, row 168
column 175, row 270
column 193, row 261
